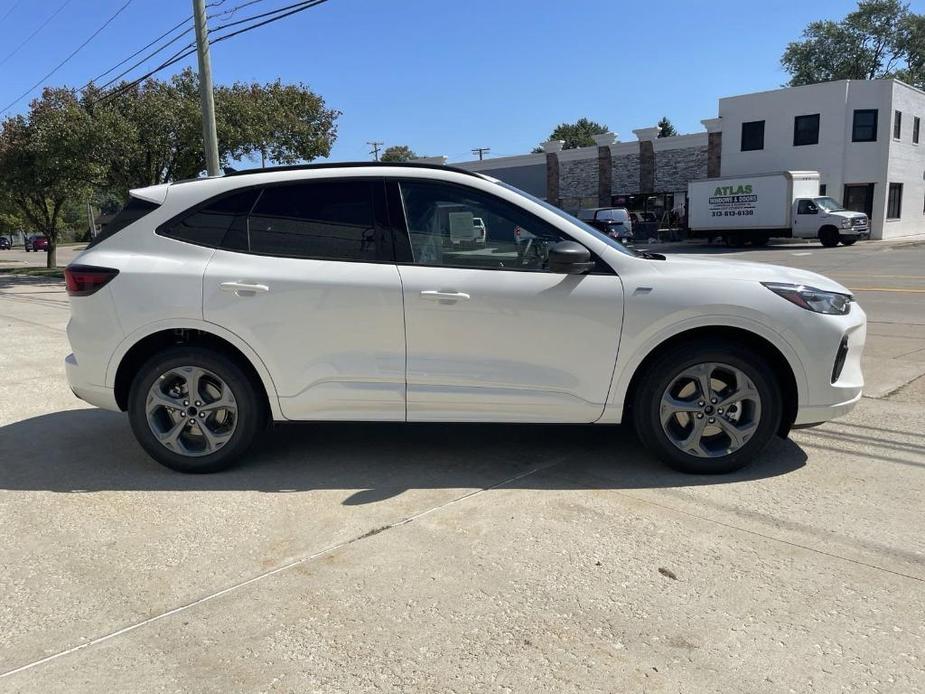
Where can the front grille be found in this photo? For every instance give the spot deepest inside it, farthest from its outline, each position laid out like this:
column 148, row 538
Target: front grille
column 859, row 222
column 840, row 357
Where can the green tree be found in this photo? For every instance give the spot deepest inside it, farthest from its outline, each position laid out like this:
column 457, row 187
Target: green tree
column 880, row 39
column 577, row 134
column 156, row 132
column 49, row 156
column 398, row 153
column 666, row 128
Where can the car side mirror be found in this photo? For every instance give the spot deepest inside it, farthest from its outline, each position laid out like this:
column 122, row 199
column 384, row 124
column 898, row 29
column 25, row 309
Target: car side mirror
column 570, row 258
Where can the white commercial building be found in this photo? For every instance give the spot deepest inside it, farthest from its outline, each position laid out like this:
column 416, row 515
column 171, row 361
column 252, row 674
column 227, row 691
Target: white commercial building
column 862, row 136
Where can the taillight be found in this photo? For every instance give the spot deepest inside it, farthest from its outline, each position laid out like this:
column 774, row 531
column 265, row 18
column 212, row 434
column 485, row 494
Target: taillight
column 84, row 280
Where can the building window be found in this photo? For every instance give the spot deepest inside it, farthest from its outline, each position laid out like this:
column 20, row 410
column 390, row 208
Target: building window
column 822, row 189
column 864, row 128
column 752, row 135
column 894, row 205
column 897, row 125
column 915, row 130
column 806, row 130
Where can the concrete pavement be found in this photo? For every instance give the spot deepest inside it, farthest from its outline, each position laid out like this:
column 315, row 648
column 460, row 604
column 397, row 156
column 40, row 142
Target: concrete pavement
column 346, row 558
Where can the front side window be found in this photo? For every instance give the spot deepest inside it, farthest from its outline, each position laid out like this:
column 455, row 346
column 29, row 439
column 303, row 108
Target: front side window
column 441, row 225
column 328, row 220
column 806, row 130
column 864, row 127
column 806, row 207
column 897, row 125
column 894, row 205
column 752, row 135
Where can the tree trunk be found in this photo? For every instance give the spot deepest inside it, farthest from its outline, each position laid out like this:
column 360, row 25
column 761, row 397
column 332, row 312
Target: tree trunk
column 52, row 255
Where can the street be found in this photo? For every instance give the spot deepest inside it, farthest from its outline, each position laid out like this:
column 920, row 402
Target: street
column 466, row 558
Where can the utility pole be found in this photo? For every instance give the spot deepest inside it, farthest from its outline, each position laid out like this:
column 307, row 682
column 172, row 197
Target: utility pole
column 209, row 136
column 481, row 151
column 375, row 149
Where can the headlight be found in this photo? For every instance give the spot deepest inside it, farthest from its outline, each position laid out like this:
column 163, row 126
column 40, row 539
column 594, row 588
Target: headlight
column 845, row 223
column 812, row 299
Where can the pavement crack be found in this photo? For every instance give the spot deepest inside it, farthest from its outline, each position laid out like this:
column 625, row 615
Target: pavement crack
column 272, row 572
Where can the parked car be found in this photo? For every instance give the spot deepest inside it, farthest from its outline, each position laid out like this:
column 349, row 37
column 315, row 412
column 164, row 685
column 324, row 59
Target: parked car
column 5, row 243
column 325, row 292
column 481, row 233
column 36, row 243
column 613, row 221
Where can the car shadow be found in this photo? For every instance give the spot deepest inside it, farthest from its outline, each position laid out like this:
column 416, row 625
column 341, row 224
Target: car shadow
column 91, row 450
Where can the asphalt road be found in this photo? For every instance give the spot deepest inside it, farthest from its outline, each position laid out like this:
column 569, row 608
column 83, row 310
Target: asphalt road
column 467, row 558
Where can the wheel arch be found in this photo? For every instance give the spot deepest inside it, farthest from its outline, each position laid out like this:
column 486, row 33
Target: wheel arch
column 779, row 363
column 137, row 349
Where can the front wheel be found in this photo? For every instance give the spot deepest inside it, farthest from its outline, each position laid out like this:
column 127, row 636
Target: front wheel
column 848, row 240
column 708, row 407
column 828, row 237
column 194, row 409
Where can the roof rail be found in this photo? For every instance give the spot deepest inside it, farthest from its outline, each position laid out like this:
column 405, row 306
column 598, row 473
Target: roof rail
column 351, row 164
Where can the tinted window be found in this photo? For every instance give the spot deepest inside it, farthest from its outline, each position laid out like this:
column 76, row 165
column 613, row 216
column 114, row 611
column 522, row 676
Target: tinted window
column 806, row 130
column 325, row 219
column 208, row 224
column 864, row 127
column 894, row 204
column 753, row 135
column 440, row 221
column 134, row 209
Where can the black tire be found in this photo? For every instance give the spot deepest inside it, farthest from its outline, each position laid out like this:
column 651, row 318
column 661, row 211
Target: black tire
column 848, row 240
column 249, row 417
column 760, row 241
column 828, row 237
column 663, row 372
column 734, row 240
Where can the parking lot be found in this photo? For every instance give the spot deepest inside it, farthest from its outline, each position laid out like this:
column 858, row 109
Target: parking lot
column 467, row 558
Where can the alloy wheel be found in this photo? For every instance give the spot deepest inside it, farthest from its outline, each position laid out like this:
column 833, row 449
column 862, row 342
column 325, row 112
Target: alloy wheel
column 710, row 410
column 191, row 411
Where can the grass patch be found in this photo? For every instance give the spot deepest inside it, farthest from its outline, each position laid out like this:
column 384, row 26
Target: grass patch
column 56, row 272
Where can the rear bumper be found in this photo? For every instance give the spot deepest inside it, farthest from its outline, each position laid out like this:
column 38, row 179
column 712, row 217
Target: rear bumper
column 98, row 396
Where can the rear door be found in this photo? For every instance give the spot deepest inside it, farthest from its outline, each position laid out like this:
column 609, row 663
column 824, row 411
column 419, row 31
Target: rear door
column 307, row 278
column 492, row 334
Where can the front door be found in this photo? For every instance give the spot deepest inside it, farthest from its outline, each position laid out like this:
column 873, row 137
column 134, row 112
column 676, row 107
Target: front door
column 491, row 334
column 308, row 280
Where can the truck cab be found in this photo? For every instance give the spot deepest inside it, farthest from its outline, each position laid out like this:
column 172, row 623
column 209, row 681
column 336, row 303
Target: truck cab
column 824, row 218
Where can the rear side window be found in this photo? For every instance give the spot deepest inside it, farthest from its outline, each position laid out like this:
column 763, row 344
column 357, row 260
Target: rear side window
column 331, row 220
column 134, row 209
column 208, row 225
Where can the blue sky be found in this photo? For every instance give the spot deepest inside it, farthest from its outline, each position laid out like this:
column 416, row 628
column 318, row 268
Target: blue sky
column 444, row 76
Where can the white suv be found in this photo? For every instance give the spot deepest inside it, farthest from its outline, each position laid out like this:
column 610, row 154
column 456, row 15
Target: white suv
column 208, row 309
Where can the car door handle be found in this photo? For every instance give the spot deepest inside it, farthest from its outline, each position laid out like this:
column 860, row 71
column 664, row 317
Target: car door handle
column 435, row 295
column 244, row 288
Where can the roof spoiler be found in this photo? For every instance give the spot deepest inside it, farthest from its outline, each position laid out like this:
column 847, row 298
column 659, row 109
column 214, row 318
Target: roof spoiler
column 156, row 194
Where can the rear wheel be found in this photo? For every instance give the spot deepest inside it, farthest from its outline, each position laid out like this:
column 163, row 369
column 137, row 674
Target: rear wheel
column 734, row 240
column 194, row 410
column 828, row 236
column 707, row 407
column 760, row 241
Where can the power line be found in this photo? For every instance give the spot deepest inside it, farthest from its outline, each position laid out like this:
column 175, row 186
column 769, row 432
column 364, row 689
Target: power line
column 375, row 149
column 63, row 62
column 146, row 47
column 183, row 53
column 37, row 30
column 480, row 151
column 12, row 7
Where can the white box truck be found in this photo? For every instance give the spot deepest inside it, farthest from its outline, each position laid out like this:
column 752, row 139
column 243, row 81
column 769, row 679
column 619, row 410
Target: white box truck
column 753, row 209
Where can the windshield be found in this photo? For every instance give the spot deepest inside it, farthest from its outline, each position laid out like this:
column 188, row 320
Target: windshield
column 613, row 243
column 828, row 204
column 616, row 215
